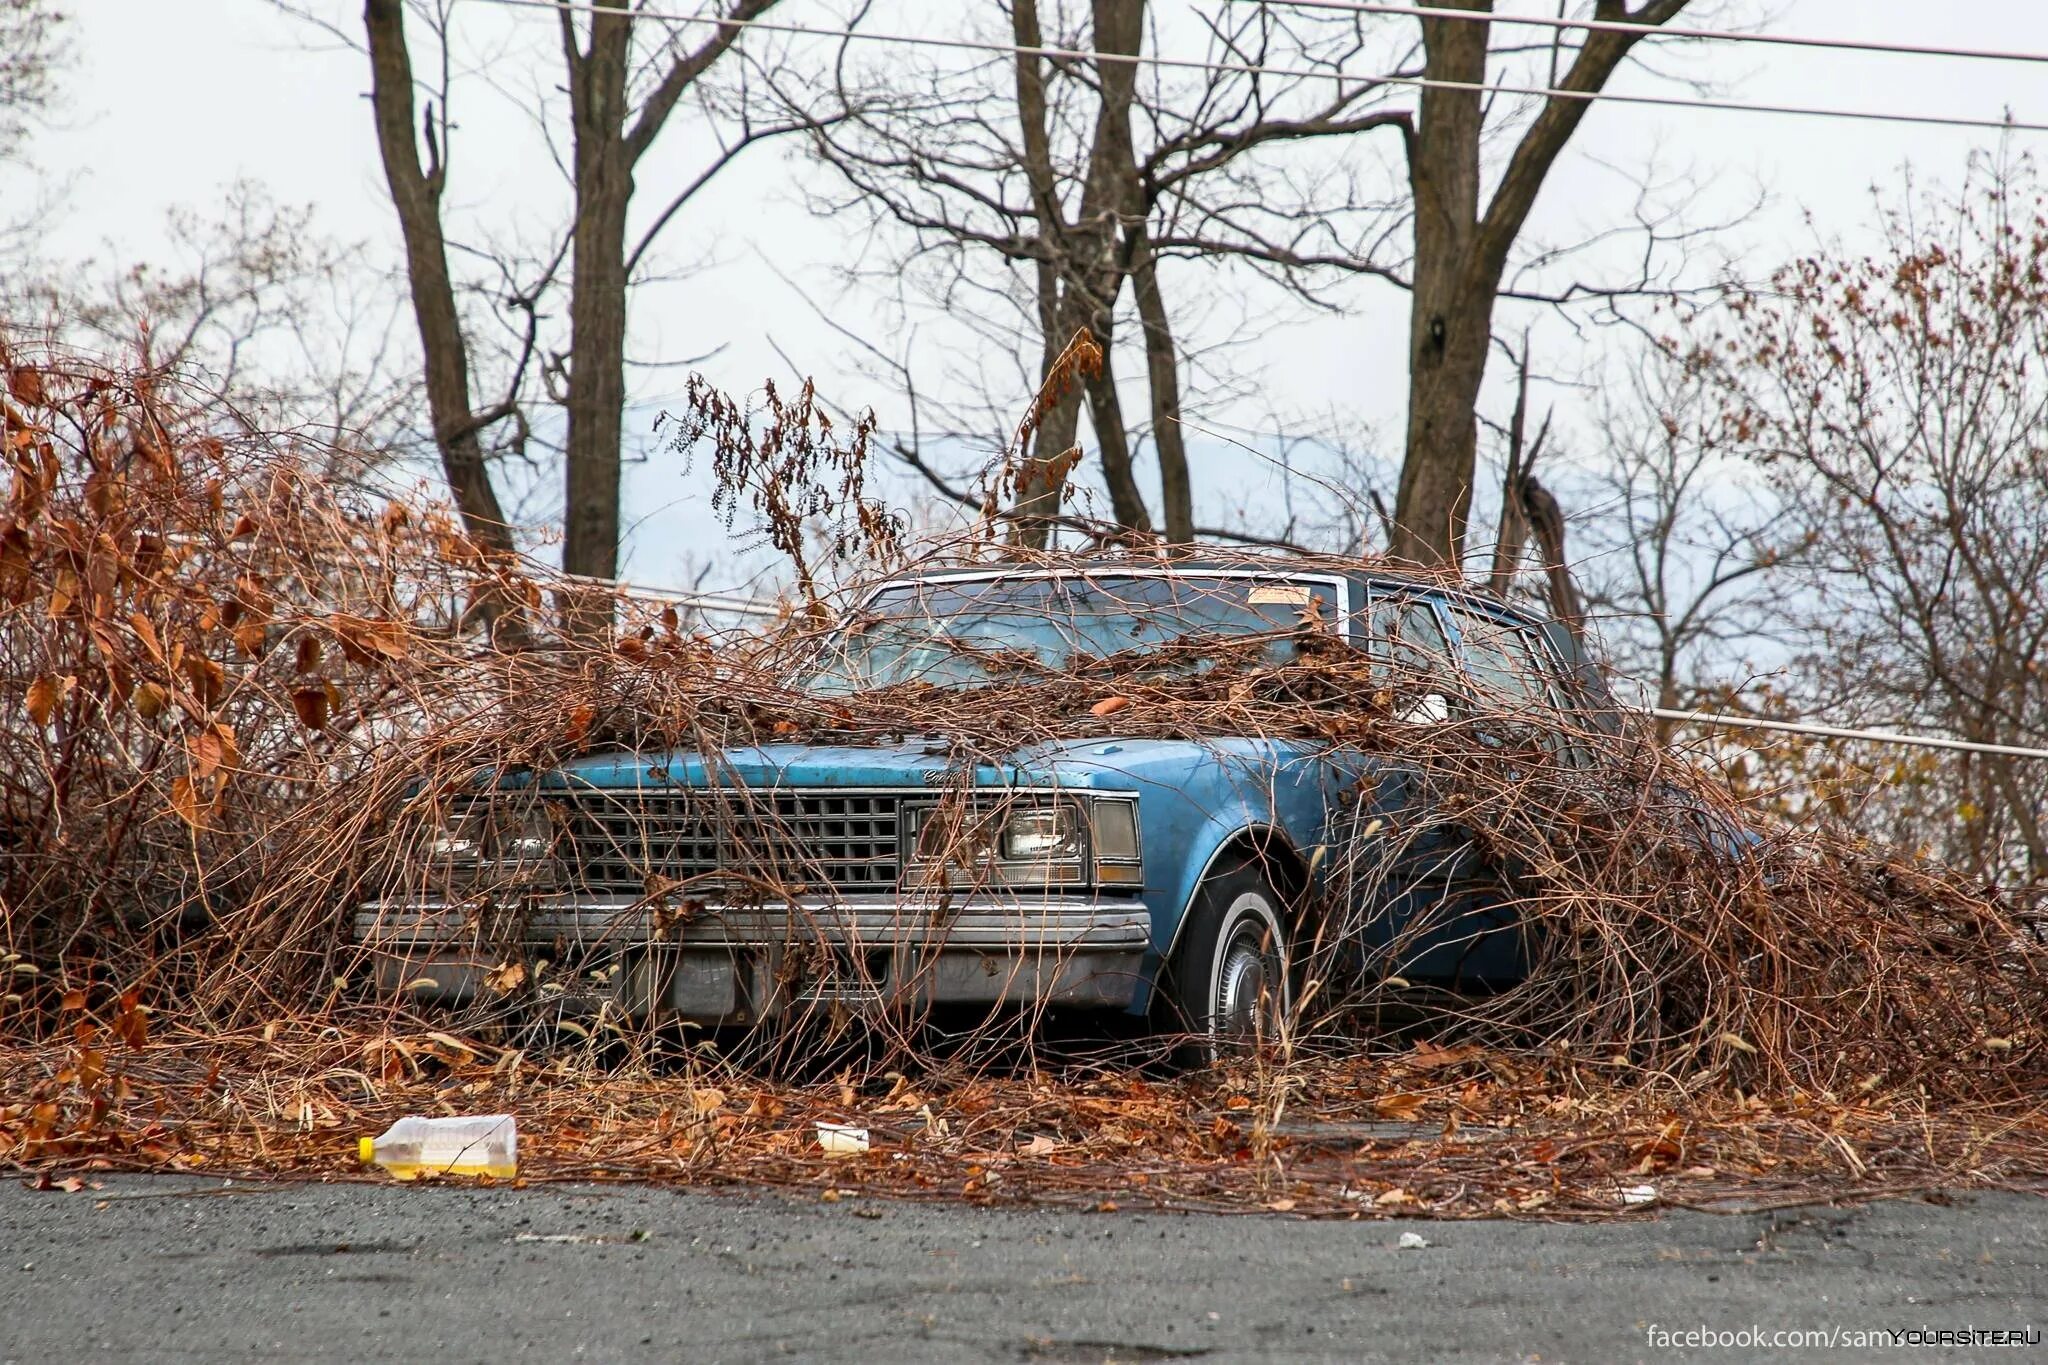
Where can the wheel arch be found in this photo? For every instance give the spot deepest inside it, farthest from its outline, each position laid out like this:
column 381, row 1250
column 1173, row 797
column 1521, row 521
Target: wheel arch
column 1262, row 845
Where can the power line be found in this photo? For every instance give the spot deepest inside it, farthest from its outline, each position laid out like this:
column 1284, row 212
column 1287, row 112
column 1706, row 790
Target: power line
column 1661, row 30
column 703, row 601
column 1727, row 722
column 1308, row 73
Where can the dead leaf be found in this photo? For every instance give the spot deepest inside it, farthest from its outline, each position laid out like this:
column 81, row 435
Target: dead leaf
column 579, row 724
column 212, row 750
column 26, row 385
column 1428, row 1057
column 312, row 705
column 42, row 700
column 186, row 803
column 365, row 640
column 504, row 978
column 1401, row 1106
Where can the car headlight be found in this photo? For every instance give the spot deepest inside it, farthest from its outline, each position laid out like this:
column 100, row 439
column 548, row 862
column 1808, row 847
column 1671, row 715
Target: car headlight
column 1025, row 842
column 478, row 841
column 1046, row 834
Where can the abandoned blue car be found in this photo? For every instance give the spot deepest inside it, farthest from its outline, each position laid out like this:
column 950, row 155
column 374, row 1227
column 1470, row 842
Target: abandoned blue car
column 1160, row 877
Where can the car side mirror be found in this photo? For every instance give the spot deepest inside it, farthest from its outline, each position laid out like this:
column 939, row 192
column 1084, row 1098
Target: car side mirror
column 1431, row 708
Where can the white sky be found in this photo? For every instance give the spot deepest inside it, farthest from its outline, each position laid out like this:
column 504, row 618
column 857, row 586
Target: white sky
column 176, row 98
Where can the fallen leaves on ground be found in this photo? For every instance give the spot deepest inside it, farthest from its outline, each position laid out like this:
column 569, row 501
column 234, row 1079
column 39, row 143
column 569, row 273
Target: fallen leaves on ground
column 1390, row 1134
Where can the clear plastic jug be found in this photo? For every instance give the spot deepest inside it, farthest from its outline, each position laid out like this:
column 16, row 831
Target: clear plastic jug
column 416, row 1146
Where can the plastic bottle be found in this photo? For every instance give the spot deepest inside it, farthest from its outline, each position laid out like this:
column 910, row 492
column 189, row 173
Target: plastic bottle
column 416, row 1146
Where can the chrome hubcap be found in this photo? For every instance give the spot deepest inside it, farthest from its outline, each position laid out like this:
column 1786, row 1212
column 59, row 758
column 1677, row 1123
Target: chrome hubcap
column 1244, row 987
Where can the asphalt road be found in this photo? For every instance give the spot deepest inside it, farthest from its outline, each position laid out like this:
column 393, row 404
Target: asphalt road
column 182, row 1270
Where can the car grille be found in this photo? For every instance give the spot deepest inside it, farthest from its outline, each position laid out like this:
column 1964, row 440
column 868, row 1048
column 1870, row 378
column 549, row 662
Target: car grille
column 630, row 842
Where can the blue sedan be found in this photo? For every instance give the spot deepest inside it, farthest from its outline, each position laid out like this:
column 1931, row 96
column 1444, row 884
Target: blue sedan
column 1164, row 877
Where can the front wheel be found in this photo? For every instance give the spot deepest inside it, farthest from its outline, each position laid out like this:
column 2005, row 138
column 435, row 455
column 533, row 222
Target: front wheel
column 1229, row 982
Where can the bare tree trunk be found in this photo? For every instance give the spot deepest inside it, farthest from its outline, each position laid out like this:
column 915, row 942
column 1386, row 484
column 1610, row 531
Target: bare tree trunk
column 1546, row 521
column 1514, row 515
column 1447, row 321
column 1460, row 255
column 1105, row 409
column 597, row 295
column 1087, row 268
column 416, row 194
column 611, row 136
column 1162, row 367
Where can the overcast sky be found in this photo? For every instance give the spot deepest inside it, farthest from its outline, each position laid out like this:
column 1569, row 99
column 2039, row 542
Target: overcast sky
column 174, row 99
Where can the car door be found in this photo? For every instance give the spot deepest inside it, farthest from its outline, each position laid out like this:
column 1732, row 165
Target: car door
column 1402, row 875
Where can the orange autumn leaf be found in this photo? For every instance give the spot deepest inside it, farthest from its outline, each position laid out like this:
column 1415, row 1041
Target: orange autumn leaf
column 42, row 700
column 150, row 700
column 185, row 803
column 212, row 749
column 145, row 631
column 1428, row 1057
column 26, row 385
column 579, row 724
column 1401, row 1106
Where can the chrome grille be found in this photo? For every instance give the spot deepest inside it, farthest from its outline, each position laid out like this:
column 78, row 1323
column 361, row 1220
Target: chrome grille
column 619, row 841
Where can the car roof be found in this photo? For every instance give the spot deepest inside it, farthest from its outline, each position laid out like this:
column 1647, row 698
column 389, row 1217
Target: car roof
column 1359, row 569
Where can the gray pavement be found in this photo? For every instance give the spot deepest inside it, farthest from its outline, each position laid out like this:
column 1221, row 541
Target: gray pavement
column 183, row 1270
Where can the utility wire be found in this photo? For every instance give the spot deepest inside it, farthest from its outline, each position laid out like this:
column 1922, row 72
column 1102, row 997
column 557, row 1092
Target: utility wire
column 705, row 601
column 1800, row 727
column 1308, row 73
column 1660, row 30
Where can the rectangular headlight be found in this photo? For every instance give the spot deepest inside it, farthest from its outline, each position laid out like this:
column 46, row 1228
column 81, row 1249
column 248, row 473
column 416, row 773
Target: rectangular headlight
column 476, row 840
column 1042, row 834
column 1021, row 843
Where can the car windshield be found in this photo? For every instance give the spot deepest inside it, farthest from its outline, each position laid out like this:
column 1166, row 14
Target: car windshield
column 964, row 633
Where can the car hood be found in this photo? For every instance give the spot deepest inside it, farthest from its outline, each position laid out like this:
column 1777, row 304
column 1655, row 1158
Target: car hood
column 917, row 761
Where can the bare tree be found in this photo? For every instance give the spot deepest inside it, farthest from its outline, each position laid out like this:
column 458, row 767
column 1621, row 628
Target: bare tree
column 1681, row 549
column 285, row 326
column 1897, row 399
column 1461, row 249
column 31, row 50
column 1045, row 183
column 416, row 192
column 612, row 133
column 623, row 75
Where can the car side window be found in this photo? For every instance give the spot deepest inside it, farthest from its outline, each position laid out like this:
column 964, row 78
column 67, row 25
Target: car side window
column 1404, row 637
column 1411, row 656
column 1506, row 661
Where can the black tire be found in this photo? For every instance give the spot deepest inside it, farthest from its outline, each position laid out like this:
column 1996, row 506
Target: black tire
column 1230, row 984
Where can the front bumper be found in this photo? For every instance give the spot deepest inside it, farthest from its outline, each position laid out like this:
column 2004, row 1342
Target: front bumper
column 741, row 966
